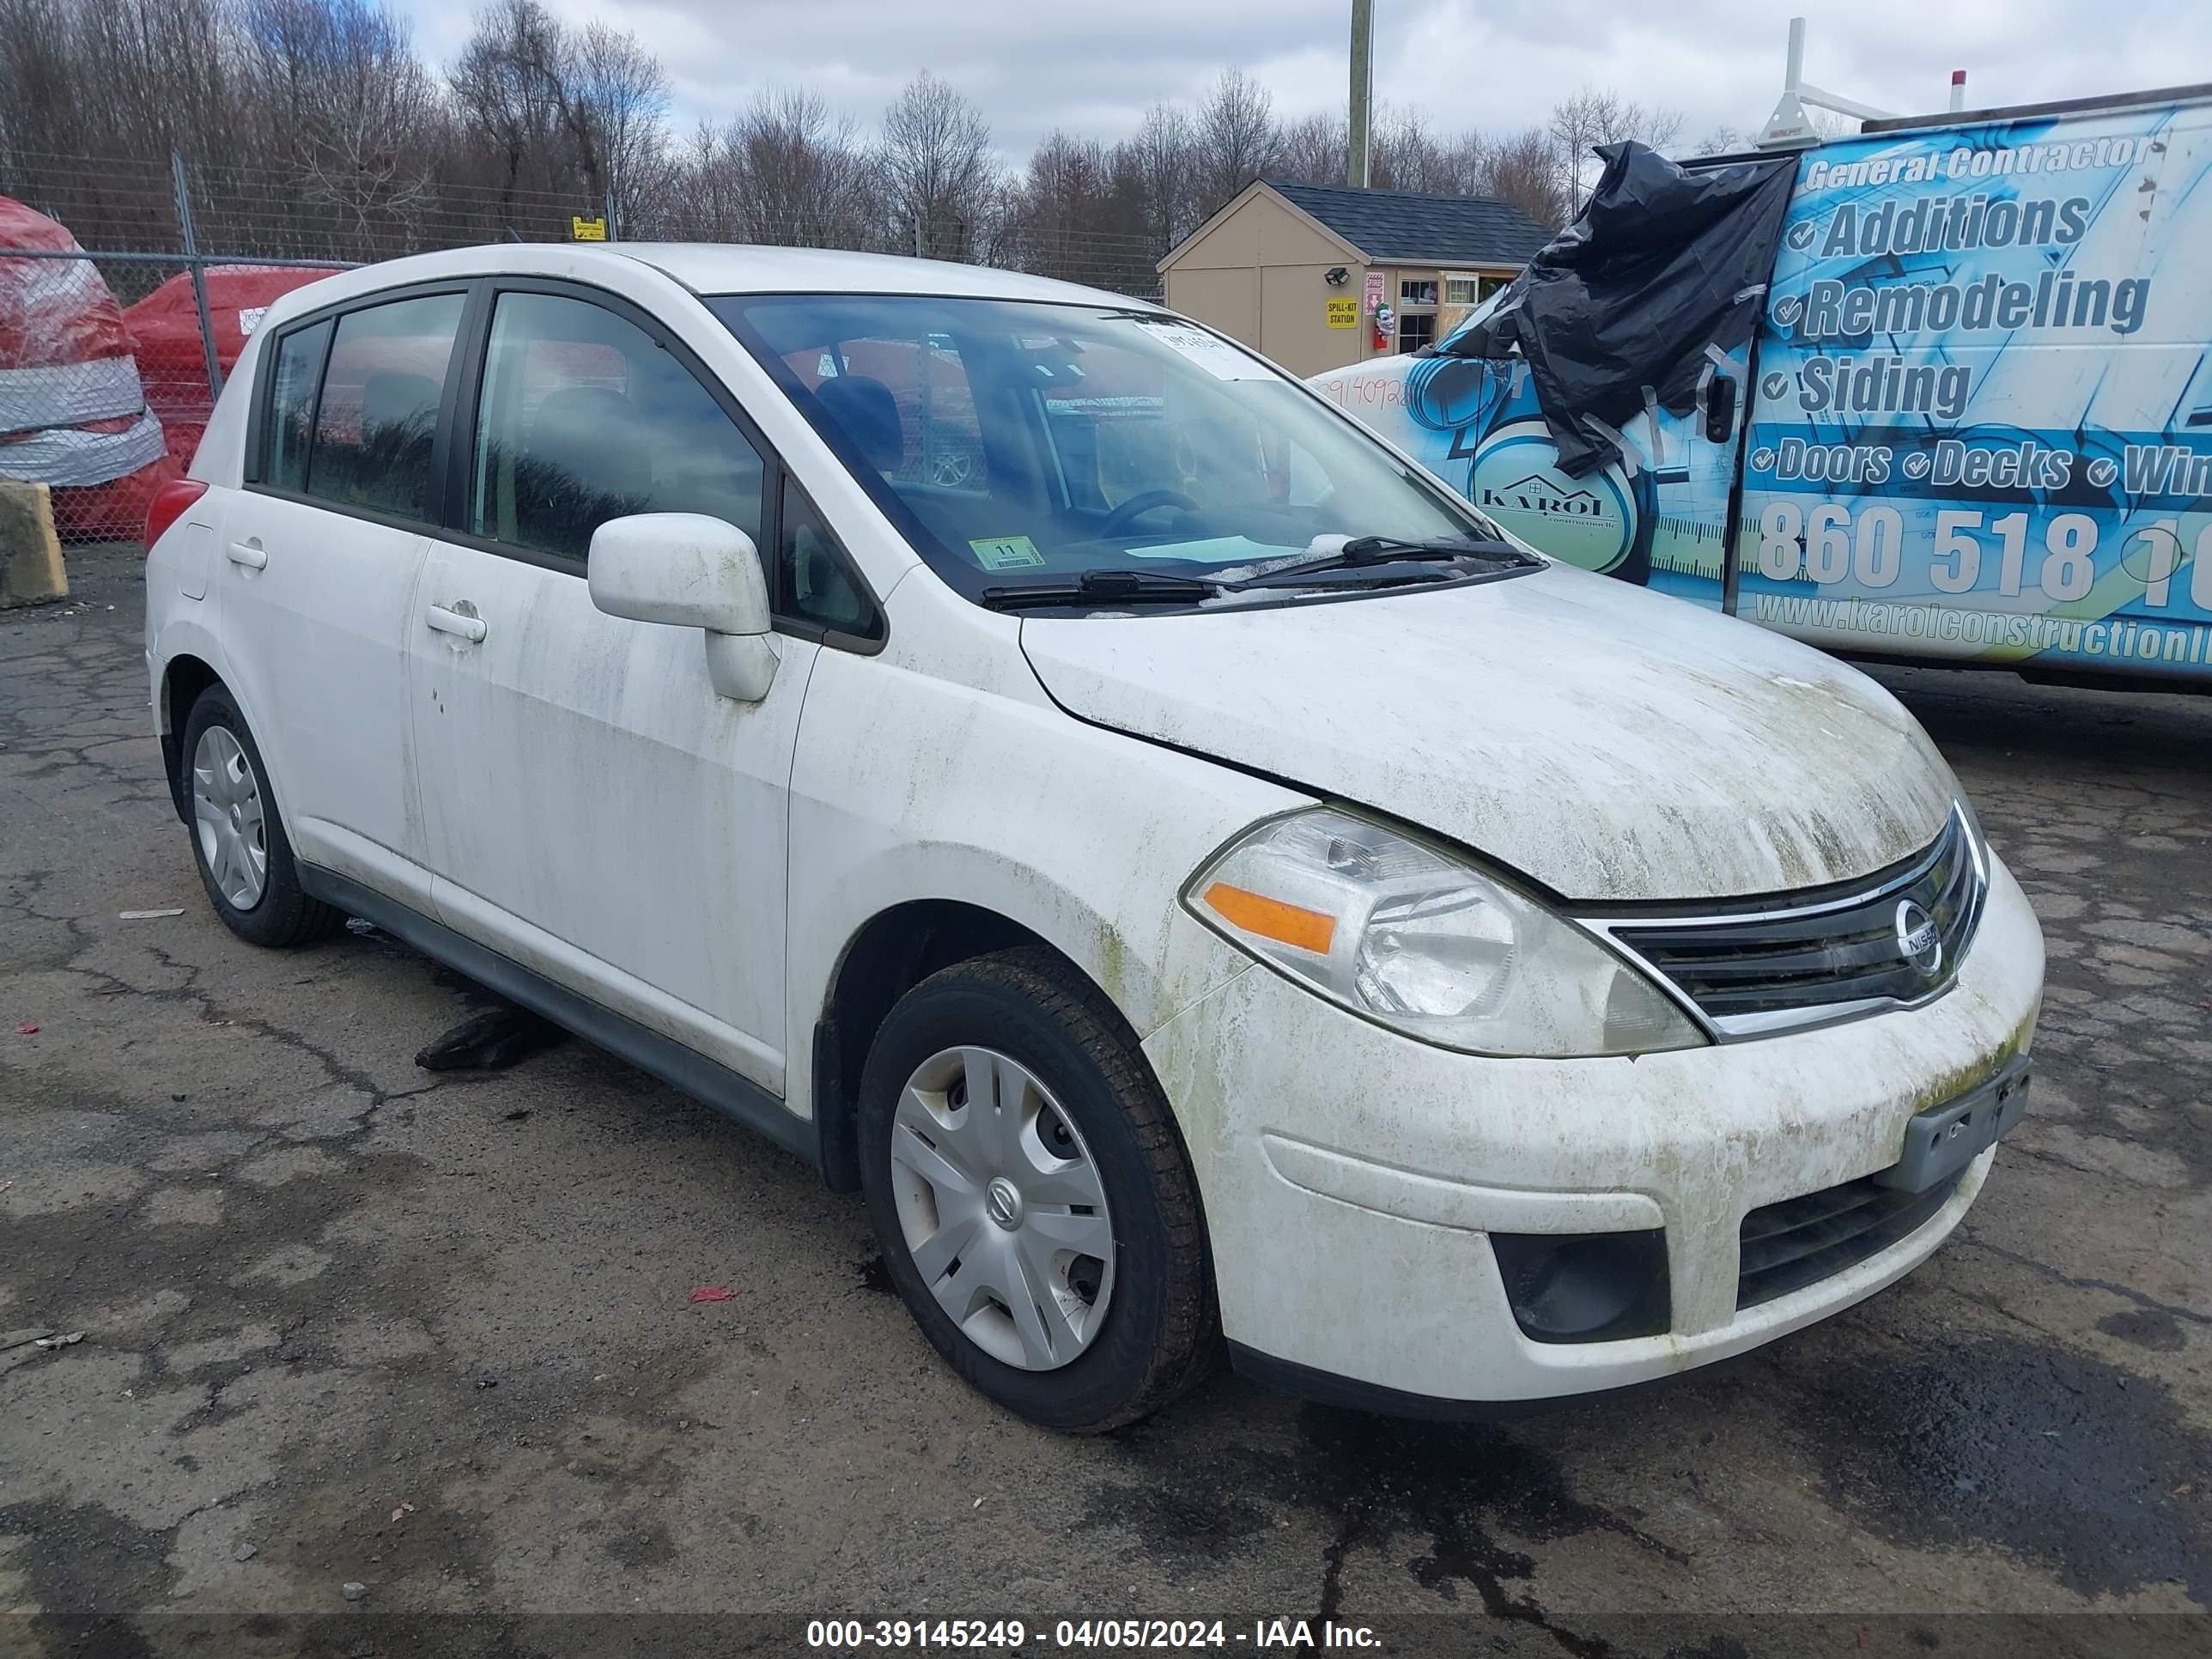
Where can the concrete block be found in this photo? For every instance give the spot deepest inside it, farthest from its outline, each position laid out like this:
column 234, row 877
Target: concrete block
column 30, row 553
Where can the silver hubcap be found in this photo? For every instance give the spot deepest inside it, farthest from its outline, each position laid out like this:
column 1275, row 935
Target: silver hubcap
column 229, row 819
column 1004, row 1215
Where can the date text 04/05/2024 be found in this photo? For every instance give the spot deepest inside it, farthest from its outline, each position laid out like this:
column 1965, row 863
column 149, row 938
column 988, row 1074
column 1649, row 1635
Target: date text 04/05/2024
column 1086, row 1633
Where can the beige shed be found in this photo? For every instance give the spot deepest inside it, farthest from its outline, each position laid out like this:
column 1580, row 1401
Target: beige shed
column 1302, row 273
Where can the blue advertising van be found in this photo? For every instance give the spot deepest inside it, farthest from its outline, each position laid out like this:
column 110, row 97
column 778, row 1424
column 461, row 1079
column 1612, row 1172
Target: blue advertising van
column 1959, row 413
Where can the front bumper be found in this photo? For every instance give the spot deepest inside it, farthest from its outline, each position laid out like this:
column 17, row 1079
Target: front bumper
column 1351, row 1175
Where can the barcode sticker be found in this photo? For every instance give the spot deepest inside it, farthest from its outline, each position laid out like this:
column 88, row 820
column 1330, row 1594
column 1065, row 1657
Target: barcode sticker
column 1005, row 552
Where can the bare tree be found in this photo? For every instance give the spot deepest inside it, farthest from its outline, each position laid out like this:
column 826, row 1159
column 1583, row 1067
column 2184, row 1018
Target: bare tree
column 577, row 115
column 1523, row 168
column 507, row 86
column 39, row 74
column 704, row 191
column 1237, row 137
column 1162, row 154
column 938, row 167
column 313, row 127
column 1408, row 156
column 1311, row 150
column 1577, row 124
column 616, row 105
column 800, row 175
column 1079, row 213
column 337, row 85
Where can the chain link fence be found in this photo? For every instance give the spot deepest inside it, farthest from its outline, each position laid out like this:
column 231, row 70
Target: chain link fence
column 128, row 290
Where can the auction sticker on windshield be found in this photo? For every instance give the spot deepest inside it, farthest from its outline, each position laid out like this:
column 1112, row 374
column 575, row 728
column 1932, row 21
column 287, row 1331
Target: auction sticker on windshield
column 1215, row 357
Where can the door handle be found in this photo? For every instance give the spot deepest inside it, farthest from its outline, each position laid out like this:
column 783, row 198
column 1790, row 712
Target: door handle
column 456, row 620
column 1720, row 409
column 247, row 554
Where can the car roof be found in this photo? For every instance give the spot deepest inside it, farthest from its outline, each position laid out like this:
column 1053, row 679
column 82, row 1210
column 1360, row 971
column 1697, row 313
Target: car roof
column 706, row 268
column 727, row 268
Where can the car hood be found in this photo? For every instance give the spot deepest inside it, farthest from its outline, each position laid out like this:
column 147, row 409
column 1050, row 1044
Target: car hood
column 1605, row 741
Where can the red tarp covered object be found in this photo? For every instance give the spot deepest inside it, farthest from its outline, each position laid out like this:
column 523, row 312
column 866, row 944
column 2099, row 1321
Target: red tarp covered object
column 73, row 415
column 165, row 331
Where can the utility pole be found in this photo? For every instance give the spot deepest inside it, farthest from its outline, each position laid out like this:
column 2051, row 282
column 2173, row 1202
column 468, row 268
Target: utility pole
column 1359, row 170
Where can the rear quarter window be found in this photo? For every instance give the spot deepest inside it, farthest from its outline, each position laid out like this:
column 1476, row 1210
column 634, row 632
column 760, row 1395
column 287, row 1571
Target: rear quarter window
column 289, row 419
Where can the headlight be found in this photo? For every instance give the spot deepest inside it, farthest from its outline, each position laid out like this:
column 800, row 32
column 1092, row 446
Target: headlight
column 1426, row 944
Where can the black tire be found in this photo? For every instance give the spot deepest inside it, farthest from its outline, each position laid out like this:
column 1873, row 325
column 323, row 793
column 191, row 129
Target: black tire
column 1160, row 1334
column 284, row 915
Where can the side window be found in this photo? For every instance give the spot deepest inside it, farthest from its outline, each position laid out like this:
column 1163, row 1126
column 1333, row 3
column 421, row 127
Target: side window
column 378, row 410
column 290, row 417
column 585, row 418
column 811, row 580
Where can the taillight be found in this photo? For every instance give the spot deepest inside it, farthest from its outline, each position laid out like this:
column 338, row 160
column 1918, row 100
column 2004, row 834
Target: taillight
column 169, row 501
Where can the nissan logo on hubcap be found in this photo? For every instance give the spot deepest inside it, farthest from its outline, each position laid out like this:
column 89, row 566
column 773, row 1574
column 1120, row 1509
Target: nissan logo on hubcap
column 1918, row 940
column 1002, row 1200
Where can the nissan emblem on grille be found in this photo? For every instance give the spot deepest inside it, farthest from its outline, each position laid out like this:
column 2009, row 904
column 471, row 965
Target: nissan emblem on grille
column 1918, row 940
column 1892, row 940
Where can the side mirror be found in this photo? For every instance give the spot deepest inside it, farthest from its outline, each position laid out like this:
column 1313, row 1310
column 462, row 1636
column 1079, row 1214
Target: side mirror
column 688, row 570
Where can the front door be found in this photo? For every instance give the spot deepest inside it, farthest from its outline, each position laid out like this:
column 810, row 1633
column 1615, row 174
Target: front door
column 594, row 810
column 320, row 557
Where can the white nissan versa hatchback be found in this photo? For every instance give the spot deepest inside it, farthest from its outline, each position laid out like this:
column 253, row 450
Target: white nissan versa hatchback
column 1042, row 765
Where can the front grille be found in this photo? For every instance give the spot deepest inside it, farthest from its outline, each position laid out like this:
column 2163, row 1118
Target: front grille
column 1801, row 1241
column 1808, row 952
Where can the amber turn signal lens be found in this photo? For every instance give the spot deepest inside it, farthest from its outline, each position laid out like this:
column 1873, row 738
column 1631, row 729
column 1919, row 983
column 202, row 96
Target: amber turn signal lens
column 1286, row 924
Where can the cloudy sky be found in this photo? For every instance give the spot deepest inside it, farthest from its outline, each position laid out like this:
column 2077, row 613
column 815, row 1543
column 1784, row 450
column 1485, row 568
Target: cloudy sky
column 1093, row 66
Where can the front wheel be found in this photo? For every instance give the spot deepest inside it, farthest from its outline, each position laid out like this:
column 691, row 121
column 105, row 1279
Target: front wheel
column 1035, row 1209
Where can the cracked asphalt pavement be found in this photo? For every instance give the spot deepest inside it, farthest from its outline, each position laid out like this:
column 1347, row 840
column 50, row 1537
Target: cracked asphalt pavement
column 347, row 1322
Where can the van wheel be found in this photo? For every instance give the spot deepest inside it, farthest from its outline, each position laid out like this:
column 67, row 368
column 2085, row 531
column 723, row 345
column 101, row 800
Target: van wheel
column 238, row 841
column 1033, row 1201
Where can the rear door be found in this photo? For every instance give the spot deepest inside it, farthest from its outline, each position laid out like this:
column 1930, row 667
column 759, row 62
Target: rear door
column 1982, row 428
column 319, row 559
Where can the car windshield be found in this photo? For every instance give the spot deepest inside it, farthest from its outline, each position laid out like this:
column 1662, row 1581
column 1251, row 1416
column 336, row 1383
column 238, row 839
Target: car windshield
column 1019, row 444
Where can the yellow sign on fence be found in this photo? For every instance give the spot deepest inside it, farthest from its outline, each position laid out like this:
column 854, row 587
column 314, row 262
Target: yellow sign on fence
column 1344, row 314
column 581, row 229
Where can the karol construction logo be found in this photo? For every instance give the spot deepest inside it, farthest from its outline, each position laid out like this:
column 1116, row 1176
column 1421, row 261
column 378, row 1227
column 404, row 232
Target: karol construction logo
column 1589, row 521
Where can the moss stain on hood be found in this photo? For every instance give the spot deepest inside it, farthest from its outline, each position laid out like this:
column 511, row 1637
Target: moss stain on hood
column 1610, row 743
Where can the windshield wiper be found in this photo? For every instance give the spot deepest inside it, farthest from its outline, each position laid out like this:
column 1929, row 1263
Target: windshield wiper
column 1109, row 586
column 1501, row 557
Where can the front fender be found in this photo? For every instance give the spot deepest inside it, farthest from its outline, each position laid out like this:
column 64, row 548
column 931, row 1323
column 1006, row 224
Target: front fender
column 909, row 787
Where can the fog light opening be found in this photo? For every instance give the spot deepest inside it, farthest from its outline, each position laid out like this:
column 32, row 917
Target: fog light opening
column 1585, row 1287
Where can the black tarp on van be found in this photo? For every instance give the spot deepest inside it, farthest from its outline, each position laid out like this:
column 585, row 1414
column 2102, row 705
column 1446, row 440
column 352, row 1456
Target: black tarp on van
column 1618, row 310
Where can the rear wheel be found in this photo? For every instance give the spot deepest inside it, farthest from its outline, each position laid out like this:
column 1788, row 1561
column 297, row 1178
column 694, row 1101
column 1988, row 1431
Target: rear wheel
column 238, row 841
column 1034, row 1207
